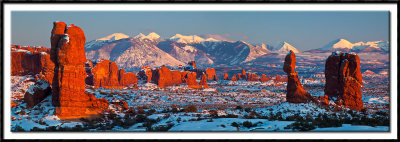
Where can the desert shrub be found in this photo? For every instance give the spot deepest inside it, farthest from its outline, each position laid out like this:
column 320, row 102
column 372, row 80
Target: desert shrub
column 148, row 123
column 140, row 118
column 234, row 124
column 37, row 129
column 239, row 107
column 150, row 112
column 51, row 128
column 167, row 115
column 213, row 113
column 301, row 126
column 163, row 127
column 247, row 124
column 191, row 108
column 231, row 116
column 141, row 110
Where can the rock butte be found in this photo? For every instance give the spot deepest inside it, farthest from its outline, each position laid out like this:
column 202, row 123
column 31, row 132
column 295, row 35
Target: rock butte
column 107, row 75
column 344, row 80
column 68, row 88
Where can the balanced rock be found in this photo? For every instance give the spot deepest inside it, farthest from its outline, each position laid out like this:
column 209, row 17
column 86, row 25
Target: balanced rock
column 295, row 92
column 344, row 80
column 37, row 92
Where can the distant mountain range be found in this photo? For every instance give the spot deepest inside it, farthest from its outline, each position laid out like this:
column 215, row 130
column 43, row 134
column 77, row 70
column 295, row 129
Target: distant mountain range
column 149, row 50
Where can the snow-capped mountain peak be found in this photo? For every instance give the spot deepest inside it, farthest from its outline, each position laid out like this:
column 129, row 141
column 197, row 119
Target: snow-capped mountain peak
column 384, row 45
column 114, row 36
column 140, row 35
column 150, row 36
column 339, row 44
column 211, row 39
column 285, row 47
column 187, row 39
column 153, row 35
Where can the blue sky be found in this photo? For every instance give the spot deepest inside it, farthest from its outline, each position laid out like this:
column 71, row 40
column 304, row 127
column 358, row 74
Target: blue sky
column 304, row 30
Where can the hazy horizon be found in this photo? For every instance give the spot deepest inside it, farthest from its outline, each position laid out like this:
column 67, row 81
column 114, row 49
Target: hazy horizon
column 304, row 30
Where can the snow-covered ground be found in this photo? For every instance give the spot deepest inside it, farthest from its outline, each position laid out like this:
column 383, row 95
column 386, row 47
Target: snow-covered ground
column 225, row 106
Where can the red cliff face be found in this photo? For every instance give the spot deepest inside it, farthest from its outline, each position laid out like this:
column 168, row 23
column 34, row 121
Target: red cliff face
column 105, row 74
column 344, row 80
column 162, row 77
column 68, row 88
column 295, row 92
column 127, row 78
column 190, row 80
column 226, row 76
column 176, row 77
column 211, row 75
column 32, row 61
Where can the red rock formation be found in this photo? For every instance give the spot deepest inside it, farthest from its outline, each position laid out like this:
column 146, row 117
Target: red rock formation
column 252, row 77
column 145, row 73
column 243, row 75
column 37, row 92
column 192, row 63
column 68, row 88
column 105, row 74
column 264, row 78
column 295, row 92
column 32, row 61
column 344, row 80
column 176, row 77
column 162, row 77
column 226, row 76
column 126, row 79
column 211, row 74
column 190, row 80
column 203, row 81
column 234, row 77
column 324, row 100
